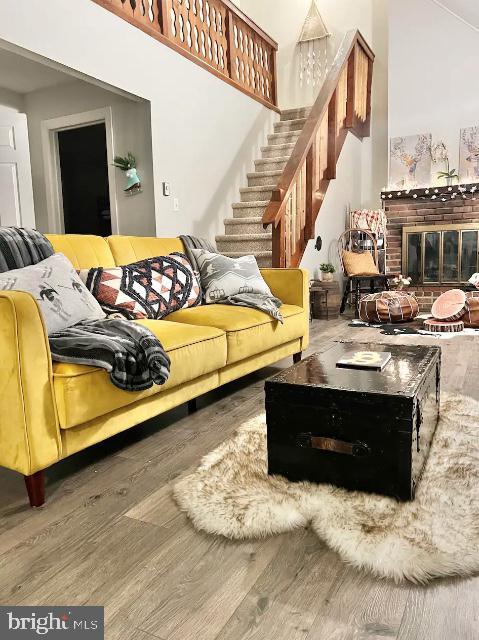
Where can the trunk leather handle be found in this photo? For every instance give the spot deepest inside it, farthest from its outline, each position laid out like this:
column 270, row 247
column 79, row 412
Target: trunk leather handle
column 356, row 449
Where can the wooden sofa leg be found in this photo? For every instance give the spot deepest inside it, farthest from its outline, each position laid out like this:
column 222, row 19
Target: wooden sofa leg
column 297, row 357
column 36, row 488
column 192, row 406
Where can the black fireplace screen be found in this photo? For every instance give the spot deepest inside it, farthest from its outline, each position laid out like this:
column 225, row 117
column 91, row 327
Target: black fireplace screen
column 445, row 254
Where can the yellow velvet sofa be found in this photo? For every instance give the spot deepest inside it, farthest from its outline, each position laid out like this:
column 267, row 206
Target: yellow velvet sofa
column 49, row 411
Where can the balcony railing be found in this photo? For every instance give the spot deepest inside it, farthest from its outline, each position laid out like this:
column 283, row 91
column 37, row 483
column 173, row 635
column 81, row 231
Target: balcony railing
column 213, row 33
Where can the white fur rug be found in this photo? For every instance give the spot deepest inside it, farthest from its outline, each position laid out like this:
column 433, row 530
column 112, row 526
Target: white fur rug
column 436, row 535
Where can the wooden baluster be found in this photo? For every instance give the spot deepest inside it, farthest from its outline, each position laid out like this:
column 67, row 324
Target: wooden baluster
column 350, row 114
column 231, row 48
column 279, row 244
column 274, row 76
column 302, row 205
column 164, row 7
column 367, row 124
column 312, row 180
column 330, row 173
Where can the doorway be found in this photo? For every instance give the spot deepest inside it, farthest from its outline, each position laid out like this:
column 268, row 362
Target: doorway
column 78, row 153
column 83, row 165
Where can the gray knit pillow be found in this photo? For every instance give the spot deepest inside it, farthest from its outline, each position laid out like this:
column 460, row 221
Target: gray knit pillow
column 222, row 277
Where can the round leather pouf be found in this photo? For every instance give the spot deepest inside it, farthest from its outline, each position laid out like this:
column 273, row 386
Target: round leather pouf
column 451, row 305
column 388, row 307
column 471, row 317
column 443, row 326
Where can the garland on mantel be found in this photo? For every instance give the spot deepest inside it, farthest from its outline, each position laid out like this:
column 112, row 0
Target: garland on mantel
column 461, row 191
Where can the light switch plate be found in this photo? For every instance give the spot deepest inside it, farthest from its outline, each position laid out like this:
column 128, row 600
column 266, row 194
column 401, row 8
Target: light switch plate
column 176, row 204
column 166, row 188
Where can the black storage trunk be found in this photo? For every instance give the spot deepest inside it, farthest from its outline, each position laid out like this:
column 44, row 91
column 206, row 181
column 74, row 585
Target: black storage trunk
column 363, row 430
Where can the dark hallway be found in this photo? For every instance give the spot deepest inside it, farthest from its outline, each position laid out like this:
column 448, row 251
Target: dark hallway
column 84, row 175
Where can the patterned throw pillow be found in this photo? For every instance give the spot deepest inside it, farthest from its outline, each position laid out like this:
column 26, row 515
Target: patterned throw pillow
column 61, row 295
column 222, row 277
column 150, row 288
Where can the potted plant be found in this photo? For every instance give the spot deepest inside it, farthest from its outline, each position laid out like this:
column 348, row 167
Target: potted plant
column 440, row 154
column 327, row 270
column 128, row 165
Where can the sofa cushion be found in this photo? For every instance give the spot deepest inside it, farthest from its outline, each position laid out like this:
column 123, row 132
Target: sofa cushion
column 248, row 331
column 126, row 249
column 84, row 393
column 83, row 252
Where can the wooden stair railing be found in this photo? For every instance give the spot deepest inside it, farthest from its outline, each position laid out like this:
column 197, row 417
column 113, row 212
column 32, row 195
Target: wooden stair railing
column 343, row 104
column 212, row 33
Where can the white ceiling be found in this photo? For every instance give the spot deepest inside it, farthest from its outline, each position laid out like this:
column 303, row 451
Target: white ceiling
column 22, row 75
column 468, row 10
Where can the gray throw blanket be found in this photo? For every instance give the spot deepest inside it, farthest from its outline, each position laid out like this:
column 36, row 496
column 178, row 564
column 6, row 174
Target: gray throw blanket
column 22, row 247
column 260, row 301
column 192, row 242
column 132, row 355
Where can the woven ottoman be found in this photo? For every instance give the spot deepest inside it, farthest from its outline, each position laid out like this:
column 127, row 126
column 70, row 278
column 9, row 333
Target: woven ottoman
column 388, row 307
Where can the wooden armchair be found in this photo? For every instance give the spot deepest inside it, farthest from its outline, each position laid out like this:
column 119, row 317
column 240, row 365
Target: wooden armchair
column 358, row 256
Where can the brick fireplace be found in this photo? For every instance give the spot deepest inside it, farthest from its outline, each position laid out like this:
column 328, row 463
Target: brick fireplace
column 435, row 242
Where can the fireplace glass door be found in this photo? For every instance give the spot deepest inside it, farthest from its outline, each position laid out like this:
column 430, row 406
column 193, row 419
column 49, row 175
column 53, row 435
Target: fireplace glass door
column 440, row 254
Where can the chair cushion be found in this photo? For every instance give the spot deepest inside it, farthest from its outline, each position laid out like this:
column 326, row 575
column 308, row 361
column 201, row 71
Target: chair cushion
column 248, row 331
column 359, row 264
column 84, row 393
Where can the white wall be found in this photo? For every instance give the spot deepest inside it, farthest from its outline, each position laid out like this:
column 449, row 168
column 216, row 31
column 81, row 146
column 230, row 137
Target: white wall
column 363, row 167
column 11, row 101
column 205, row 134
column 284, row 19
column 433, row 70
column 131, row 132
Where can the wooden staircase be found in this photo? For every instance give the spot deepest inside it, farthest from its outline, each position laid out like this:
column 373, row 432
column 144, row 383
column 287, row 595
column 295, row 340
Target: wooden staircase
column 277, row 214
column 343, row 104
column 244, row 232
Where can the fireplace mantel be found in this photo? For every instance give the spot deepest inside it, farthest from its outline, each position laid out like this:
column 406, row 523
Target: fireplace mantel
column 470, row 190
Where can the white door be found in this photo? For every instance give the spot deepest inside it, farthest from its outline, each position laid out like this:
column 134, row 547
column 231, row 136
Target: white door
column 16, row 193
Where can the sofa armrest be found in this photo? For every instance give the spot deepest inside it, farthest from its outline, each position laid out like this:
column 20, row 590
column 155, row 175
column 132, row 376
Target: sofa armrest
column 29, row 431
column 291, row 286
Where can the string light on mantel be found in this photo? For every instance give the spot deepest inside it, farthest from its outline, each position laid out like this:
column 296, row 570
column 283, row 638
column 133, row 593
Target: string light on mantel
column 464, row 192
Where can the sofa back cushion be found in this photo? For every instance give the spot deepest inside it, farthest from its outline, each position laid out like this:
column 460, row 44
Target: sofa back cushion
column 84, row 252
column 128, row 249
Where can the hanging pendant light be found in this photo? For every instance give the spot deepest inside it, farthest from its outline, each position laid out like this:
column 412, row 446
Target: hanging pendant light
column 313, row 48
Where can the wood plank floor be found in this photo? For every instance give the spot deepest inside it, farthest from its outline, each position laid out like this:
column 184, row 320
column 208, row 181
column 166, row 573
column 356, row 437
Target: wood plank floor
column 110, row 535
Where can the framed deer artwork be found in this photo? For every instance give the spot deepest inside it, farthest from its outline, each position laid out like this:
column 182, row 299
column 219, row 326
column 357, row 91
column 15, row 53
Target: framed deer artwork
column 469, row 155
column 410, row 162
